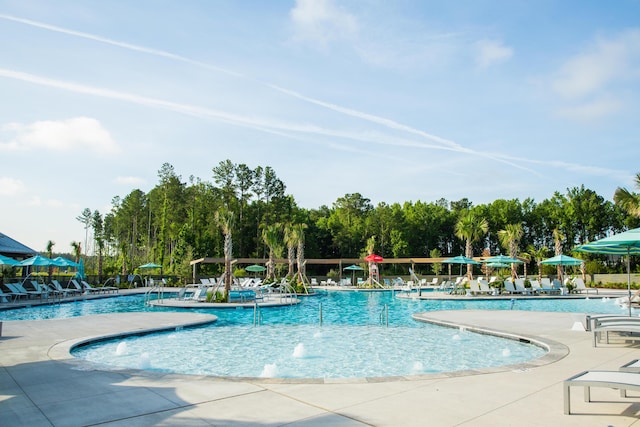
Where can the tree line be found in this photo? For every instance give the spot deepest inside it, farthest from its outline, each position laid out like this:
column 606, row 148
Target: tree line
column 178, row 221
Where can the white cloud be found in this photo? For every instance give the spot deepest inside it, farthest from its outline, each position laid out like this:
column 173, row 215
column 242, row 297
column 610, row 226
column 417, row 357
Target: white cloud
column 490, row 52
column 10, row 186
column 129, row 180
column 319, row 22
column 592, row 110
column 605, row 62
column 60, row 135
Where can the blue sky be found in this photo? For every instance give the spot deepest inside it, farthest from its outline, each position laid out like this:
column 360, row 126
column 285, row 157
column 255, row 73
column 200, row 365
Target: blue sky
column 398, row 101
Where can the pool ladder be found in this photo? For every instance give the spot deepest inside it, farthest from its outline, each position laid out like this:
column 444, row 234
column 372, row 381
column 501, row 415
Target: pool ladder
column 147, row 295
column 384, row 316
column 257, row 315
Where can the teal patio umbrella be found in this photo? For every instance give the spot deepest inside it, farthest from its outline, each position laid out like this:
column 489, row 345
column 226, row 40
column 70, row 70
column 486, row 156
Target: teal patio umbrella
column 255, row 268
column 5, row 260
column 150, row 265
column 561, row 260
column 39, row 261
column 460, row 259
column 64, row 262
column 624, row 244
column 503, row 259
column 353, row 268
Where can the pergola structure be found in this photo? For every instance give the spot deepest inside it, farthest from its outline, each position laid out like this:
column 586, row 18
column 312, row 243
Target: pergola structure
column 339, row 262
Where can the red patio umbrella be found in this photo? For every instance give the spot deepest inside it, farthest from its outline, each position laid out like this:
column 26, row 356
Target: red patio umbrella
column 373, row 258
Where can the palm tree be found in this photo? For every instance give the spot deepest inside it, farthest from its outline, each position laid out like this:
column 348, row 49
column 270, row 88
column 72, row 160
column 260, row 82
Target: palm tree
column 470, row 228
column 538, row 255
column 271, row 235
column 290, row 239
column 77, row 250
column 510, row 239
column 558, row 237
column 50, row 245
column 224, row 220
column 627, row 200
column 298, row 232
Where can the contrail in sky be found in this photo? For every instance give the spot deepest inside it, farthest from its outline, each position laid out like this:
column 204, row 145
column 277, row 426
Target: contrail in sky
column 442, row 143
column 347, row 111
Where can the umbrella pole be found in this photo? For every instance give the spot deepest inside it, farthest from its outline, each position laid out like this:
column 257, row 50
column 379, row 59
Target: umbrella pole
column 629, row 277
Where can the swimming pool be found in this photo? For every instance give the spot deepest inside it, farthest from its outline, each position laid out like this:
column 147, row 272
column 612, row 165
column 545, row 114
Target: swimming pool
column 334, row 335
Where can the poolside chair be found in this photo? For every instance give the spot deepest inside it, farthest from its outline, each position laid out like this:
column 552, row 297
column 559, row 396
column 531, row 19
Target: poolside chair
column 622, row 381
column 6, row 297
column 9, row 288
column 64, row 291
column 33, row 290
column 474, row 288
column 547, row 287
column 579, row 286
column 520, row 286
column 485, row 288
column 627, row 327
column 510, row 288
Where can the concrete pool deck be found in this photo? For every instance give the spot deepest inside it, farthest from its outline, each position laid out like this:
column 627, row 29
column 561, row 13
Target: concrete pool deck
column 41, row 384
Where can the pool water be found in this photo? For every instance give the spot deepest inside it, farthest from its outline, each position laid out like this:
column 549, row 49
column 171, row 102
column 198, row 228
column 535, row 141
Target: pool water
column 333, row 335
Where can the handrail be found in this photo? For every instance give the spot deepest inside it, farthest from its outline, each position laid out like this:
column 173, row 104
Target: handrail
column 384, row 316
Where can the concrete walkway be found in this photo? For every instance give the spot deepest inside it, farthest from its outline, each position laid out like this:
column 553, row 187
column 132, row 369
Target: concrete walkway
column 42, row 385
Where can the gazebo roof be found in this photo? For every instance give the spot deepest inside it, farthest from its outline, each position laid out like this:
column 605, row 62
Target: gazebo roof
column 13, row 248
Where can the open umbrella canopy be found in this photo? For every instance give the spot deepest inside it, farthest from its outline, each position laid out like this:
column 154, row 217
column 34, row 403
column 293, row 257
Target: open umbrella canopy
column 39, row 261
column 497, row 264
column 255, row 268
column 64, row 262
column 353, row 268
column 502, row 259
column 460, row 259
column 150, row 265
column 5, row 260
column 562, row 260
column 373, row 258
column 626, row 243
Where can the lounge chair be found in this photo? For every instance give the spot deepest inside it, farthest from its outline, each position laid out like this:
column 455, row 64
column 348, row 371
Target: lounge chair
column 484, row 287
column 547, row 287
column 623, row 381
column 579, row 286
column 510, row 288
column 64, row 291
column 628, row 327
column 9, row 288
column 520, row 287
column 102, row 288
column 474, row 289
column 633, row 366
column 33, row 290
column 6, row 297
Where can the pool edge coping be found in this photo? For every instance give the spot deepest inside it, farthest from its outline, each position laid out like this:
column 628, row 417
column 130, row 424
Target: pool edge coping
column 555, row 351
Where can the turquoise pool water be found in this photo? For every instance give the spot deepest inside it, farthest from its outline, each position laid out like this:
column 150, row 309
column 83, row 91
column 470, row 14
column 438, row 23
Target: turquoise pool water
column 352, row 341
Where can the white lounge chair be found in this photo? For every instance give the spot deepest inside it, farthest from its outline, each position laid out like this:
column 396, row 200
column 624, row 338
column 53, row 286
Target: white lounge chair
column 484, row 287
column 623, row 381
column 509, row 287
column 64, row 291
column 547, row 287
column 520, row 287
column 633, row 366
column 474, row 289
column 627, row 326
column 579, row 286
